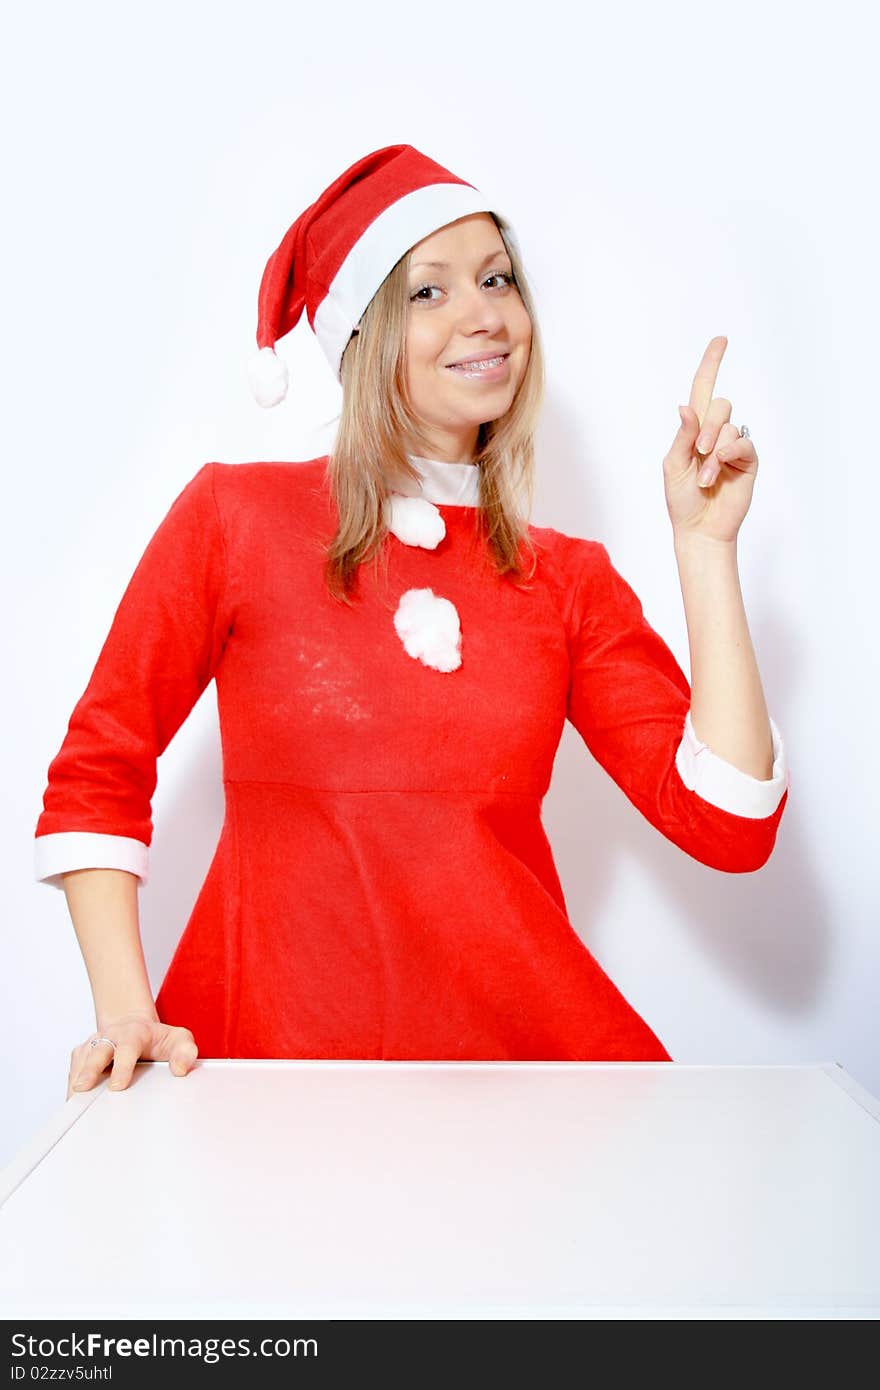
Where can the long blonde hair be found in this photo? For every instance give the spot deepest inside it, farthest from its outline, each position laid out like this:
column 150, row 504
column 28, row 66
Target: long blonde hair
column 377, row 423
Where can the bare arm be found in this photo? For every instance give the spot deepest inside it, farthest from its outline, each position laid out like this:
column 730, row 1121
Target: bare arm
column 728, row 708
column 103, row 906
column 709, row 475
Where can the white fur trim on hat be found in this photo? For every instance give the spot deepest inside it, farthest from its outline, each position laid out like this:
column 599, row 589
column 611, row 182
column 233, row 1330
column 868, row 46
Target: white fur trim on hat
column 429, row 628
column 389, row 236
column 414, row 520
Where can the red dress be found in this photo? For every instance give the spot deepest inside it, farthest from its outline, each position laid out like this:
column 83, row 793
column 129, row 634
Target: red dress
column 382, row 886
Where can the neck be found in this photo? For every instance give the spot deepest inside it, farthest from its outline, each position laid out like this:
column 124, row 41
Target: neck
column 452, row 447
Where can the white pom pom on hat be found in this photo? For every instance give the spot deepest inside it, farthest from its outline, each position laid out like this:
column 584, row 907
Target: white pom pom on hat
column 333, row 258
column 268, row 377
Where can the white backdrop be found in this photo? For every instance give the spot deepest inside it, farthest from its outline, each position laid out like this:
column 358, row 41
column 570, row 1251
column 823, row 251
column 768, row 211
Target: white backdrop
column 673, row 172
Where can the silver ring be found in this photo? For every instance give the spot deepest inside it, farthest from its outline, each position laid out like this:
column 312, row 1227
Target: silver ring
column 93, row 1042
column 744, row 432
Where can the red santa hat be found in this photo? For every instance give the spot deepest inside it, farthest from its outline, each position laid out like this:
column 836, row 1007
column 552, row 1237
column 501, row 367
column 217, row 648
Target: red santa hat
column 335, row 256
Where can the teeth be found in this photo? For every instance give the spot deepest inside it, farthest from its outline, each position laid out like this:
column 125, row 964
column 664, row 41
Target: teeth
column 484, row 365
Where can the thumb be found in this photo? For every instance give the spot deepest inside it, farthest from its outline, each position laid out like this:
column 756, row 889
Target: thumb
column 172, row 1044
column 183, row 1058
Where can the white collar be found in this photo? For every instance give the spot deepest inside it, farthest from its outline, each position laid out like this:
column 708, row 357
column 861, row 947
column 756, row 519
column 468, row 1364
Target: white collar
column 450, row 484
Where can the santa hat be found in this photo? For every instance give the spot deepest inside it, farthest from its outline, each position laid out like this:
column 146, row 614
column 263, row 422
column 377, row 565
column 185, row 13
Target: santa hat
column 335, row 256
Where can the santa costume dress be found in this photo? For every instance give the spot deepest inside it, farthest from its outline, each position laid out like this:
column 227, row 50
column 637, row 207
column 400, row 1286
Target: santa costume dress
column 383, row 886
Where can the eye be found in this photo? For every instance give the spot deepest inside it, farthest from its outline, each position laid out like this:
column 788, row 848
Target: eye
column 419, row 296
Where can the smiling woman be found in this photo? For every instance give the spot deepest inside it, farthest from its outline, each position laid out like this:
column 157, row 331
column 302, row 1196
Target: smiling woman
column 383, row 886
column 403, row 393
column 468, row 336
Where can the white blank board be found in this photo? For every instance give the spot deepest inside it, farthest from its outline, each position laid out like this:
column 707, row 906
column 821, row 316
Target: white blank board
column 313, row 1189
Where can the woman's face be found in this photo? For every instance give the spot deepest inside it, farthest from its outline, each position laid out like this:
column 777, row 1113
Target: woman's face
column 462, row 305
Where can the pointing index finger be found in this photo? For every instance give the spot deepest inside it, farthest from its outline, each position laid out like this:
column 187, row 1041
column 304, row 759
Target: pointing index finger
column 703, row 387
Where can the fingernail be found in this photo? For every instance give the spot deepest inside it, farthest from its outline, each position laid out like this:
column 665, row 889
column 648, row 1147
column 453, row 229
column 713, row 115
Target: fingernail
column 704, row 443
column 705, row 475
column 78, row 1085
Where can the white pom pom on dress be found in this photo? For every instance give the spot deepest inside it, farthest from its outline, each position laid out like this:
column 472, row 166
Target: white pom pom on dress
column 429, row 629
column 415, row 521
column 427, row 624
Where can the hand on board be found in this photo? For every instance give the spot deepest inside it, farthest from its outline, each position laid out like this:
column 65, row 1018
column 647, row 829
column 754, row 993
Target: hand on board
column 135, row 1036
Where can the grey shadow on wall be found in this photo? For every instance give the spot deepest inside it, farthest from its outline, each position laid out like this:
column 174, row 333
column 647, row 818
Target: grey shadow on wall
column 186, row 831
column 769, row 931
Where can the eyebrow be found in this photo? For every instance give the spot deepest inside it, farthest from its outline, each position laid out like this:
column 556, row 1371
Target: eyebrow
column 444, row 265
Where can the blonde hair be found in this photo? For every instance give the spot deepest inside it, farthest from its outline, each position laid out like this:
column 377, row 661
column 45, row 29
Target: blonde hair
column 377, row 428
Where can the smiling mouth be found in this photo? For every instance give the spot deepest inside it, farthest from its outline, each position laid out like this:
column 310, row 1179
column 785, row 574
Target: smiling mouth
column 484, row 364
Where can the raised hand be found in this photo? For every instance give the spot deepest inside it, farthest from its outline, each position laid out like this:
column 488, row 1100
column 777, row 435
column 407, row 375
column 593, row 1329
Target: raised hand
column 710, row 469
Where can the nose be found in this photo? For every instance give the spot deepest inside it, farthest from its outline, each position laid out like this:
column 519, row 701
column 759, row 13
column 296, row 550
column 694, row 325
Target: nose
column 479, row 312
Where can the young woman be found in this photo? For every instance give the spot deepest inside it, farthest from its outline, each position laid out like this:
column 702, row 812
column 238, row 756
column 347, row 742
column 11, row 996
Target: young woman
column 396, row 649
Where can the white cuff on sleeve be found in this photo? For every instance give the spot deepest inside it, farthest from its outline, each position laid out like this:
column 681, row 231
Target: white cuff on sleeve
column 726, row 786
column 58, row 854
